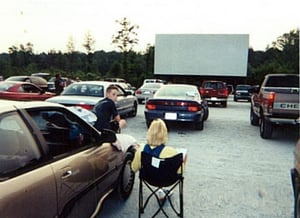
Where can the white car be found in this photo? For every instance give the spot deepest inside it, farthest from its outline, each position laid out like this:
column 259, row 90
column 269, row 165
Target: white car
column 87, row 93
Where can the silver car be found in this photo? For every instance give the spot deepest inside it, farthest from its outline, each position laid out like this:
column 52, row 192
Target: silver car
column 87, row 93
column 55, row 164
column 146, row 91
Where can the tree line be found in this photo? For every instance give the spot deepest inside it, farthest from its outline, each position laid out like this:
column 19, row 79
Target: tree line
column 281, row 57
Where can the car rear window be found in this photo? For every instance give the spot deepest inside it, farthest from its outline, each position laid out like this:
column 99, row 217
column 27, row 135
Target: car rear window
column 84, row 90
column 283, row 81
column 214, row 85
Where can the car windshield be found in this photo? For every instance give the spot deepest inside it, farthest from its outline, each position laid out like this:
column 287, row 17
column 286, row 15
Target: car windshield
column 84, row 90
column 5, row 86
column 177, row 91
column 152, row 85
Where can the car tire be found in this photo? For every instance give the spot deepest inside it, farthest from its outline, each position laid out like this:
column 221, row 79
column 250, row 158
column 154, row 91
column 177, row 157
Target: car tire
column 126, row 178
column 297, row 206
column 206, row 113
column 134, row 110
column 234, row 99
column 254, row 119
column 148, row 122
column 199, row 125
column 224, row 103
column 265, row 128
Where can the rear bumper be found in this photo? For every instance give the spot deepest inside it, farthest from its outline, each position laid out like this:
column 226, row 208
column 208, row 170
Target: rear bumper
column 180, row 116
column 290, row 121
column 216, row 99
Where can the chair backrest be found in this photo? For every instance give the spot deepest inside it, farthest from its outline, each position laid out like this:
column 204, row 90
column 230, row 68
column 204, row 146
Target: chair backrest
column 161, row 172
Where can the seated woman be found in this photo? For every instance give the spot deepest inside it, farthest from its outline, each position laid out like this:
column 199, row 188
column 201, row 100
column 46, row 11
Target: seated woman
column 157, row 137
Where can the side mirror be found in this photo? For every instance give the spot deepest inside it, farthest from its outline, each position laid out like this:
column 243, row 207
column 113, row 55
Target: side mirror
column 42, row 91
column 108, row 135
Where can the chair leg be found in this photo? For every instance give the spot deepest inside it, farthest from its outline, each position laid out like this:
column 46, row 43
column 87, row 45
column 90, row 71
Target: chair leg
column 181, row 198
column 141, row 204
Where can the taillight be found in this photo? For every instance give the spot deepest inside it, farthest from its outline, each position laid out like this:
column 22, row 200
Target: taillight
column 138, row 92
column 270, row 98
column 202, row 91
column 86, row 106
column 150, row 106
column 193, row 108
column 226, row 92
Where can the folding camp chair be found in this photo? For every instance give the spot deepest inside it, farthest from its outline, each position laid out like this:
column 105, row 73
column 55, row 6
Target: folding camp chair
column 158, row 174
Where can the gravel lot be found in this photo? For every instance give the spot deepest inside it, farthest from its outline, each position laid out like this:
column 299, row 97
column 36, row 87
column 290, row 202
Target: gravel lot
column 230, row 171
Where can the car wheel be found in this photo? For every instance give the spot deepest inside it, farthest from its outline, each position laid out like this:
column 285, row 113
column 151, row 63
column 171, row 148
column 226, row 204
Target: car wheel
column 224, row 103
column 234, row 99
column 134, row 110
column 126, row 179
column 297, row 206
column 199, row 125
column 206, row 113
column 254, row 119
column 148, row 122
column 265, row 128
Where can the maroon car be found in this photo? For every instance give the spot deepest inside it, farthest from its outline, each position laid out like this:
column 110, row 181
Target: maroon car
column 23, row 91
column 214, row 92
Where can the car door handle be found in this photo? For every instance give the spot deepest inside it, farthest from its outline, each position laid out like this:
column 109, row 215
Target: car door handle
column 67, row 174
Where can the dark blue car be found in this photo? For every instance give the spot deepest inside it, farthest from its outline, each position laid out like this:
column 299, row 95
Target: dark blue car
column 177, row 103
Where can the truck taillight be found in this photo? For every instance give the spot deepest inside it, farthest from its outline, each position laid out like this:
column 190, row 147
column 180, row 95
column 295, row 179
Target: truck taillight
column 226, row 92
column 202, row 91
column 270, row 100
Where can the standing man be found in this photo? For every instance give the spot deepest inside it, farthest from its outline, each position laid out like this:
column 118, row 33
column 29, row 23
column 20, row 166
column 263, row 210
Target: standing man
column 106, row 111
column 59, row 84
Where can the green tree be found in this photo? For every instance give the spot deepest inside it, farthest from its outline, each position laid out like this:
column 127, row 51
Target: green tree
column 125, row 40
column 89, row 45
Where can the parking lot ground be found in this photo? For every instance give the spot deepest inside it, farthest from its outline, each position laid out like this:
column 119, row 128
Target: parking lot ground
column 231, row 171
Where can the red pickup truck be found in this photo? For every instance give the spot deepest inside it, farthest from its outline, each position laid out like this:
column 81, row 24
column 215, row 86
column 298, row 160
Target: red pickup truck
column 275, row 102
column 214, row 91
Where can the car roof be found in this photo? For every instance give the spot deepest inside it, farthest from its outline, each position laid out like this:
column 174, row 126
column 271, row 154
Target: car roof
column 9, row 105
column 183, row 85
column 103, row 83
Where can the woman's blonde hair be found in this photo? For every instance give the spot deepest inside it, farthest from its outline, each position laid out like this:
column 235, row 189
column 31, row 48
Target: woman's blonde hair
column 157, row 133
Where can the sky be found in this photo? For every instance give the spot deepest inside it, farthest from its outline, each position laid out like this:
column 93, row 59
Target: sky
column 49, row 24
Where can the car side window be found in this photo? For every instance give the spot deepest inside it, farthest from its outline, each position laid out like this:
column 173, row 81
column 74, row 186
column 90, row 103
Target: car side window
column 121, row 92
column 28, row 88
column 17, row 145
column 62, row 131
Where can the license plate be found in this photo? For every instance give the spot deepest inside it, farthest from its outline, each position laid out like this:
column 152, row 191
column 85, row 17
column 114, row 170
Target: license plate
column 147, row 92
column 213, row 98
column 170, row 116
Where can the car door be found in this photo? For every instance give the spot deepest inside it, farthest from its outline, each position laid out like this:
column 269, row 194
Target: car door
column 27, row 182
column 80, row 159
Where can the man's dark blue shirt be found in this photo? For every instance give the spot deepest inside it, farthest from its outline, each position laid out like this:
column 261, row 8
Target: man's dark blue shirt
column 105, row 110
